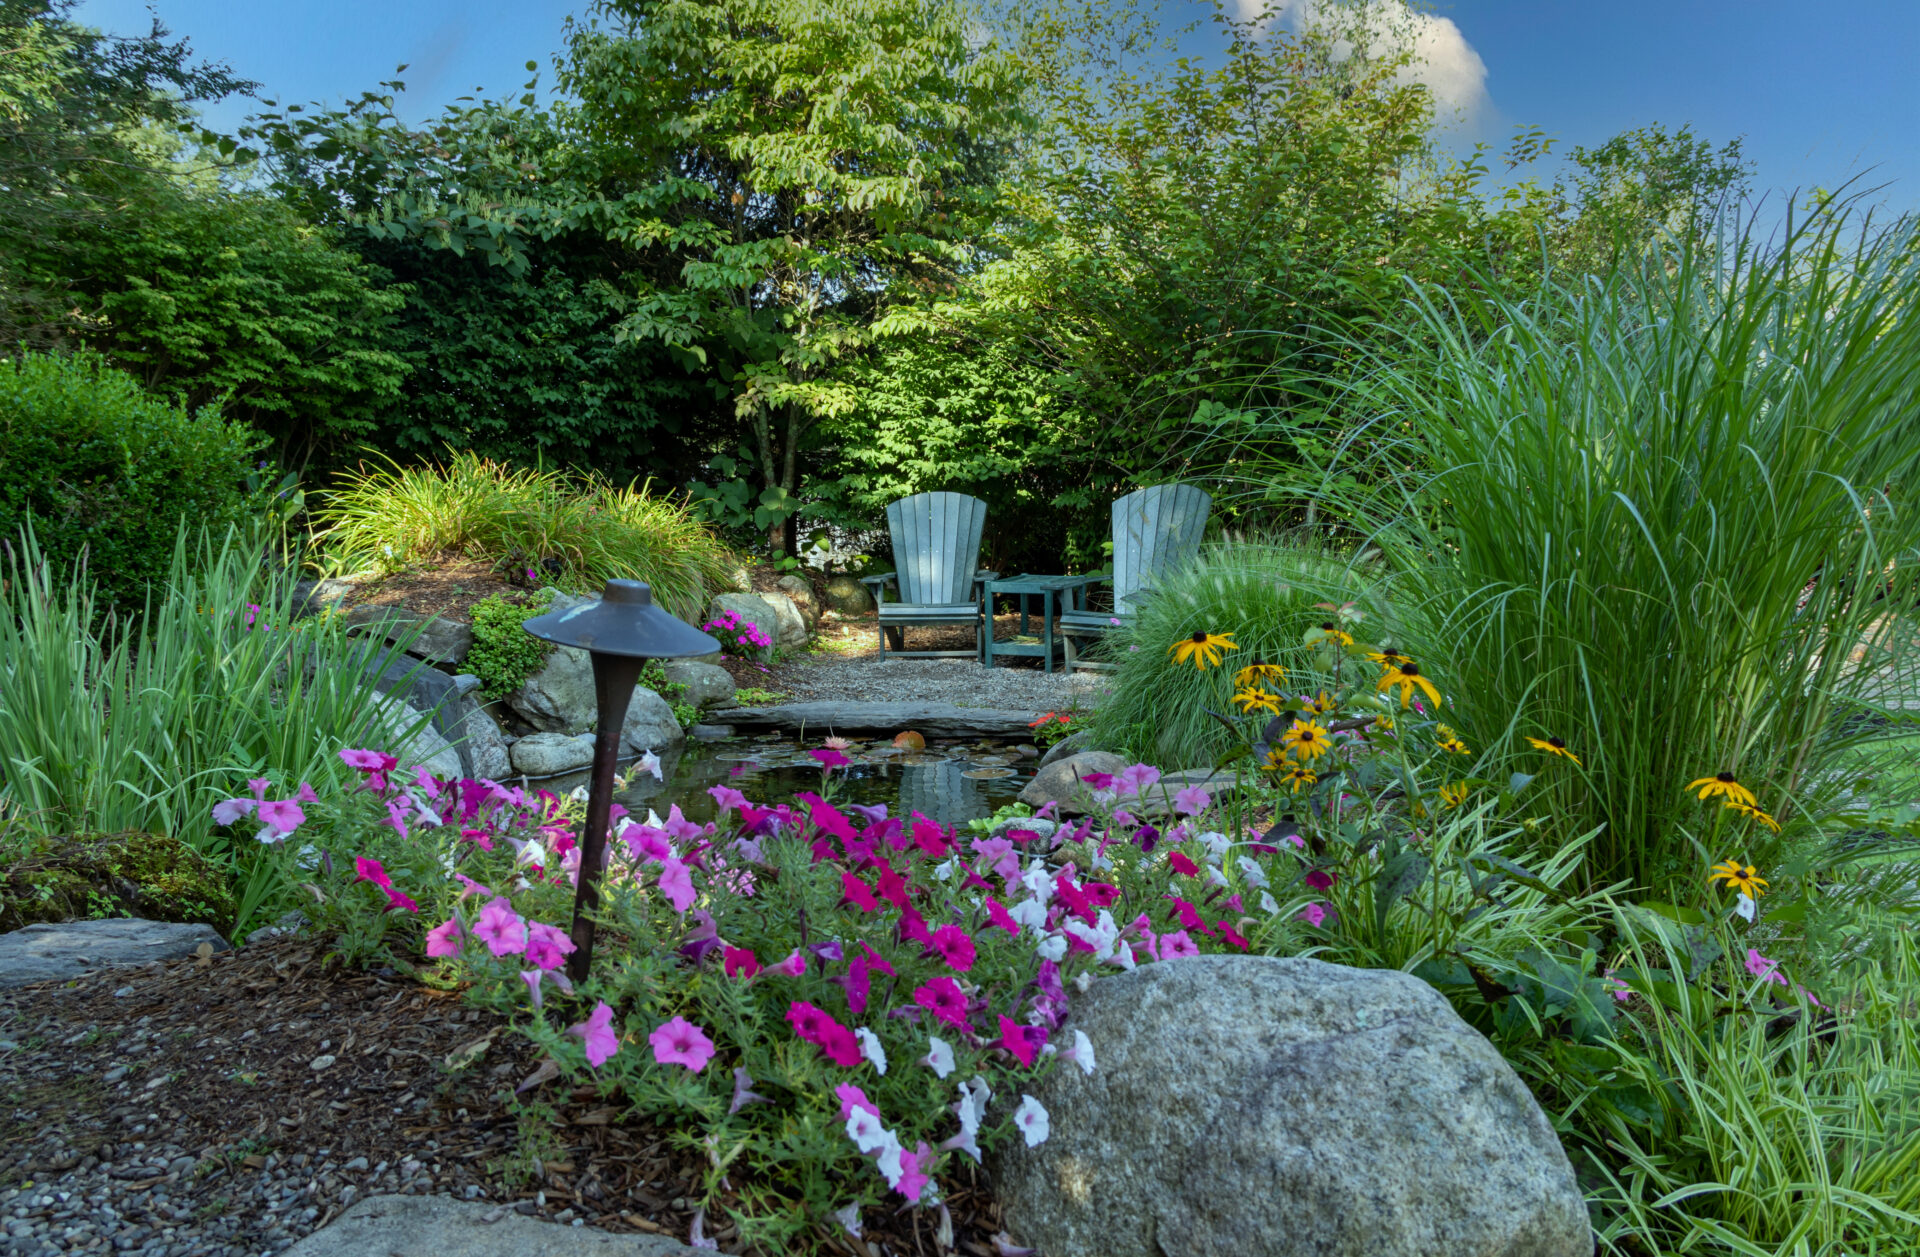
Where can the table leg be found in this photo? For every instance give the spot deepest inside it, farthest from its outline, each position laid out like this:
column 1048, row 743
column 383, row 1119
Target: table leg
column 986, row 629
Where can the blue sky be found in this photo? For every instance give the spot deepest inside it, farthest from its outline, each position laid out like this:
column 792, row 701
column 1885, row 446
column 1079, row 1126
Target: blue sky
column 1820, row 91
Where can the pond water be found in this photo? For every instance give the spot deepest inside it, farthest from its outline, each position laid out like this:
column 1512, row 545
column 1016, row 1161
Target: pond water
column 950, row 781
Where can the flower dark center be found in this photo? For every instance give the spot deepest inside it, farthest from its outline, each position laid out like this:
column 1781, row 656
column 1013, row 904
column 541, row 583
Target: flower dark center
column 1558, row 744
column 1328, row 628
column 1199, row 639
column 1725, row 777
column 1409, row 669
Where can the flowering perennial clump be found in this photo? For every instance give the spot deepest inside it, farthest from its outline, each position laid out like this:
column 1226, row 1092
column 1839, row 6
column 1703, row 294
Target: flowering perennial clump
column 737, row 636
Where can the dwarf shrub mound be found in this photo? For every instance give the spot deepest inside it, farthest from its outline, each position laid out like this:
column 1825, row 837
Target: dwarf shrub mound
column 106, row 472
column 134, row 874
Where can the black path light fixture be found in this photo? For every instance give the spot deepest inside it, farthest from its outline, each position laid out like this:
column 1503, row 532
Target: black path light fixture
column 620, row 631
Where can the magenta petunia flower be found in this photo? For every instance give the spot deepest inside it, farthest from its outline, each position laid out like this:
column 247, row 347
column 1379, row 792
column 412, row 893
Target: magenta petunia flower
column 740, row 961
column 858, row 893
column 727, row 798
column 840, row 1046
column 369, row 761
column 397, row 899
column 1320, row 879
column 548, row 946
column 1232, row 936
column 1024, row 1042
column 953, row 945
column 809, row 1022
column 598, row 1034
column 828, row 758
column 680, row 1042
column 792, row 967
column 1178, row 944
column 944, row 999
column 1192, row 801
column 854, row 1100
column 1000, row 855
column 913, row 1179
column 998, row 917
column 368, row 869
column 1314, row 914
column 443, row 940
column 1182, row 865
column 501, row 929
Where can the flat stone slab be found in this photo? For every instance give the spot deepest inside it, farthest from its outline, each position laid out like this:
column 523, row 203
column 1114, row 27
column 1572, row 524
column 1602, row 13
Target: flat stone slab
column 933, row 720
column 436, row 1226
column 72, row 949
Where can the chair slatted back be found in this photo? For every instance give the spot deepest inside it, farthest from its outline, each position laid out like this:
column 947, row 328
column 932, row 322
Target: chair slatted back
column 1155, row 530
column 936, row 546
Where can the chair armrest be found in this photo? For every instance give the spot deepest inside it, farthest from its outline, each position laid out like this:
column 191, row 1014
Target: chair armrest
column 877, row 585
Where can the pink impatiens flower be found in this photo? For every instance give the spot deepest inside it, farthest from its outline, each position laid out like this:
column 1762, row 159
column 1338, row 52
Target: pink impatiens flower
column 598, row 1034
column 680, row 1042
column 501, row 929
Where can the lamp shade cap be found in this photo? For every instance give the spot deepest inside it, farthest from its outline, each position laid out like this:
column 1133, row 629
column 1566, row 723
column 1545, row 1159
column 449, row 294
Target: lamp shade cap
column 623, row 620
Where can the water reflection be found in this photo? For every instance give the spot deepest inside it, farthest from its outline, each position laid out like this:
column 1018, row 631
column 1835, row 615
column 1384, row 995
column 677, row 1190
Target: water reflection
column 936, row 784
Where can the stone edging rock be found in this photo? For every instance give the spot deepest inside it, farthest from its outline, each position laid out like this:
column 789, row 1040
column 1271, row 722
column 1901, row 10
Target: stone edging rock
column 933, row 720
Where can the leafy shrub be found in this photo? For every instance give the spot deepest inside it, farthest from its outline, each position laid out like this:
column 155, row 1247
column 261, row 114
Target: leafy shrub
column 106, row 472
column 1263, row 593
column 583, row 529
column 504, row 654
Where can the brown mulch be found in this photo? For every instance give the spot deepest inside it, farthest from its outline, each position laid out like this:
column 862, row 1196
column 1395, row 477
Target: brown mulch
column 218, row 1056
column 449, row 588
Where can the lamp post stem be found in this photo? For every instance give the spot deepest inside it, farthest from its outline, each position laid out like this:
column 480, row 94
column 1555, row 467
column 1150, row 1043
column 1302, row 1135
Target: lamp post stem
column 614, row 677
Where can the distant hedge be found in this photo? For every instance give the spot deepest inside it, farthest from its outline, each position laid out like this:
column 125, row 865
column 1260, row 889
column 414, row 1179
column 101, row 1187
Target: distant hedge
column 104, row 469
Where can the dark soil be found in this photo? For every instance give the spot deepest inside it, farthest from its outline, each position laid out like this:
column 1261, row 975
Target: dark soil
column 414, row 1093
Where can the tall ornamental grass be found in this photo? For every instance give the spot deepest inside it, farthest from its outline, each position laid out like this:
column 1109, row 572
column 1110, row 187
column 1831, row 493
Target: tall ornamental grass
column 112, row 723
column 1666, row 517
column 1262, row 593
column 390, row 517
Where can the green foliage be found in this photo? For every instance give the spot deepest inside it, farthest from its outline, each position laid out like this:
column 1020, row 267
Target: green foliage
column 1666, row 519
column 145, row 723
column 150, row 876
column 504, row 655
column 522, row 520
column 1267, row 594
column 106, row 473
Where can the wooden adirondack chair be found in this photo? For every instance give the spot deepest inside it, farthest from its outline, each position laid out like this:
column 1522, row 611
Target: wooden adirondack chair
column 1155, row 530
column 936, row 550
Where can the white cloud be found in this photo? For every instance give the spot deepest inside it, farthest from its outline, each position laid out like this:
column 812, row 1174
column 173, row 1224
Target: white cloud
column 1447, row 63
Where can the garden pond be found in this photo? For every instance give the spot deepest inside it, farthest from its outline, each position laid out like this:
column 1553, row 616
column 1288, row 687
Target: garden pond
column 950, row 781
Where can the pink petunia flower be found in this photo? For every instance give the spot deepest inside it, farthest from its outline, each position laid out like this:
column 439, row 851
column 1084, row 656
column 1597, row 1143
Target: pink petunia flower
column 999, row 918
column 443, row 940
column 1177, row 945
column 828, row 759
column 1761, row 967
column 854, row 1100
column 858, row 893
column 680, row 1042
column 1314, row 914
column 282, row 816
column 913, row 1180
column 233, row 811
column 501, row 929
column 740, row 961
column 944, row 999
column 676, row 883
column 1024, row 1042
column 598, row 1034
column 368, row 869
column 1191, row 801
column 397, row 899
column 1136, row 779
column 953, row 945
column 548, row 946
column 792, row 967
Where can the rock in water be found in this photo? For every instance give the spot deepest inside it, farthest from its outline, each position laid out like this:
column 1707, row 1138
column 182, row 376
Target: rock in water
column 41, row 953
column 650, row 725
column 415, row 1225
column 1252, row 1106
column 1059, row 782
column 549, row 754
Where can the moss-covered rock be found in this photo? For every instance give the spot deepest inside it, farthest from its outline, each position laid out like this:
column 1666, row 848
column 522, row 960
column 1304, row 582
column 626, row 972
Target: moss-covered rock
column 115, row 875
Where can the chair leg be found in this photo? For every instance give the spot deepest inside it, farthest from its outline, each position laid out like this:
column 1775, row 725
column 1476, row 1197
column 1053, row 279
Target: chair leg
column 883, row 642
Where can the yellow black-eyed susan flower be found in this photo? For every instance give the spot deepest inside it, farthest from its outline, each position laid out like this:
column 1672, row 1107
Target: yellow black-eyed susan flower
column 1252, row 698
column 1387, row 657
column 1409, row 678
column 1202, row 650
column 1382, row 725
column 1450, row 742
column 1752, row 813
column 1723, row 784
column 1741, row 877
column 1553, row 746
column 1275, row 760
column 1305, row 741
column 1320, row 704
column 1298, row 778
column 1336, row 634
column 1455, row 794
column 1259, row 672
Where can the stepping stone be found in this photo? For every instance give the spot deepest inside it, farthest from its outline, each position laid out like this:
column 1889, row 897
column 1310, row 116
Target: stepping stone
column 436, row 1225
column 72, row 949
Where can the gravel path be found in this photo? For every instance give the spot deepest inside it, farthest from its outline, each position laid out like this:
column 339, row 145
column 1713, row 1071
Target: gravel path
column 957, row 681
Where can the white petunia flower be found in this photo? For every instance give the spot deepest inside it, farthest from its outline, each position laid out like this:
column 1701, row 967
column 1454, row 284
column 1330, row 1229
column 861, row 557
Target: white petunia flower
column 939, row 1057
column 1031, row 1118
column 871, row 1049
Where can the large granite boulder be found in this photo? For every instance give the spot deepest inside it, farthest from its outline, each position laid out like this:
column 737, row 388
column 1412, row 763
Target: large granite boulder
column 430, row 637
column 792, row 621
column 395, row 733
column 550, row 754
column 848, row 596
column 1254, row 1106
column 708, row 685
column 69, row 949
column 1059, row 782
column 476, row 734
column 1072, row 744
column 807, row 602
column 650, row 724
column 559, row 698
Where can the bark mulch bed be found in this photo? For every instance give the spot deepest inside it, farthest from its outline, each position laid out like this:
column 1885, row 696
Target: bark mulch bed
column 449, row 588
column 292, row 1085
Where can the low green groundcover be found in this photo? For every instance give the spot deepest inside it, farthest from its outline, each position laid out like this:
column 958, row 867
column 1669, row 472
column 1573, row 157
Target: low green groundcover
column 115, row 875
